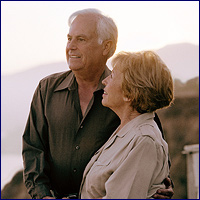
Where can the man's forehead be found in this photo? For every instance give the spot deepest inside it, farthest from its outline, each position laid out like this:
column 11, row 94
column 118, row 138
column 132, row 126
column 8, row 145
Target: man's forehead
column 83, row 25
column 87, row 20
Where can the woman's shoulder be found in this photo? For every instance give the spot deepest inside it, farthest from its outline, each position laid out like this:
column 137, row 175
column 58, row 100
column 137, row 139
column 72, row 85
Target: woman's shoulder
column 151, row 131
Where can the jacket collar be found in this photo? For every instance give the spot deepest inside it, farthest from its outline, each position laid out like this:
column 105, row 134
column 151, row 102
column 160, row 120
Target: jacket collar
column 143, row 118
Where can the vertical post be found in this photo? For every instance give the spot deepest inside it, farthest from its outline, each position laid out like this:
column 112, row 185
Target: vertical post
column 192, row 159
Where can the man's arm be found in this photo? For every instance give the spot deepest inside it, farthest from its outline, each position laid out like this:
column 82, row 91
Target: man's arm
column 166, row 193
column 34, row 139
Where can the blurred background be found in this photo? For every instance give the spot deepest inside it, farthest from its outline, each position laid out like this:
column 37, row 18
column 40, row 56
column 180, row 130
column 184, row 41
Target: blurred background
column 33, row 41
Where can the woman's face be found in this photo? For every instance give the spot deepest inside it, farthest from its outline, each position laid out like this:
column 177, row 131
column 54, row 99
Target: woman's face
column 113, row 94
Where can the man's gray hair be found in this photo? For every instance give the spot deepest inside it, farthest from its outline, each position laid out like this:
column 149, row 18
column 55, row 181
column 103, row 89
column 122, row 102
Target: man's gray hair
column 106, row 27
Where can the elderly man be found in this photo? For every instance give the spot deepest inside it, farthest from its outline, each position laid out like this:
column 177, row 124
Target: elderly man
column 67, row 123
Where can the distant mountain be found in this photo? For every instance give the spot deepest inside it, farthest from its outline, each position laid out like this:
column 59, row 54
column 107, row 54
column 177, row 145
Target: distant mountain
column 182, row 59
column 17, row 89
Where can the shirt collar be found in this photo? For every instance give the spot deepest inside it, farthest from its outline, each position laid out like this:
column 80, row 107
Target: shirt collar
column 103, row 76
column 70, row 81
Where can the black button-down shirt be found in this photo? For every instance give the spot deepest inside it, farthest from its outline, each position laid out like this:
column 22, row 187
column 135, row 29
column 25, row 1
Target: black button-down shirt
column 58, row 141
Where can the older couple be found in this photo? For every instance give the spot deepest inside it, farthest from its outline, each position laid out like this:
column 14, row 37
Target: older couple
column 68, row 124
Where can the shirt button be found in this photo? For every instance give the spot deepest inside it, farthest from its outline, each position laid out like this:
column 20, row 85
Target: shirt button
column 77, row 147
column 74, row 170
column 81, row 126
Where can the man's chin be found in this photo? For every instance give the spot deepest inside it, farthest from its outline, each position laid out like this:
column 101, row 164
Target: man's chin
column 75, row 67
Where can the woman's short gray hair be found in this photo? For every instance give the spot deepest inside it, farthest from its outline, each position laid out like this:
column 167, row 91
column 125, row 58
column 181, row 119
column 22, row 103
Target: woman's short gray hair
column 147, row 81
column 106, row 27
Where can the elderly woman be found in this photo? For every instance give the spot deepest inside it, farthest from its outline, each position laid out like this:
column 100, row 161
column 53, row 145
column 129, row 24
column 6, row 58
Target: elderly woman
column 133, row 163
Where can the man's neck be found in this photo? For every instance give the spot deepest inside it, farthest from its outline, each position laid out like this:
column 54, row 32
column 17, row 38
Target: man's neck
column 87, row 84
column 89, row 80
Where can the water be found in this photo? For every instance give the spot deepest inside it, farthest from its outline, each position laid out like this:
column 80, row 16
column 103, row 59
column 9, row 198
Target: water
column 10, row 164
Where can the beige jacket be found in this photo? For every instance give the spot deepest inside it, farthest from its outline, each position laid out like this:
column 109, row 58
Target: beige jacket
column 131, row 165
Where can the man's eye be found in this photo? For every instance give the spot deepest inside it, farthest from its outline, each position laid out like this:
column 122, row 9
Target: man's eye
column 81, row 39
column 69, row 39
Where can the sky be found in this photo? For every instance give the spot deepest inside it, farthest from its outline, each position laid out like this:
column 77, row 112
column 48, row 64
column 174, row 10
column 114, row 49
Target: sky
column 35, row 32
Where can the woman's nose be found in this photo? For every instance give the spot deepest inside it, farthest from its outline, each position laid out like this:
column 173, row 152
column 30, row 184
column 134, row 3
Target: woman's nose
column 104, row 82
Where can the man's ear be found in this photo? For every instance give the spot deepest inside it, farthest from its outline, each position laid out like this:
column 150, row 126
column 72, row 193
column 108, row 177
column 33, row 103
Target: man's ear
column 107, row 45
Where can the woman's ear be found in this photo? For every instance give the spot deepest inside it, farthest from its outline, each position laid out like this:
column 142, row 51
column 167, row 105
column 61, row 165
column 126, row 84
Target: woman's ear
column 107, row 45
column 126, row 99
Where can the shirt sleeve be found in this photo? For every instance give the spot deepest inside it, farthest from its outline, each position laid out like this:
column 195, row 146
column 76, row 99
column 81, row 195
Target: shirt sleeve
column 34, row 141
column 133, row 177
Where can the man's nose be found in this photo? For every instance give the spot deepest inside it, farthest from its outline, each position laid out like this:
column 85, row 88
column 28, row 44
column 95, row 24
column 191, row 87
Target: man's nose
column 71, row 44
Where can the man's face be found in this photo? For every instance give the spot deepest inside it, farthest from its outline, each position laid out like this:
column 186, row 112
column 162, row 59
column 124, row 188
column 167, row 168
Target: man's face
column 83, row 51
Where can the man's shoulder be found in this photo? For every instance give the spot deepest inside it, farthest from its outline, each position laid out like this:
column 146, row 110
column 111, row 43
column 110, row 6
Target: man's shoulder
column 56, row 76
column 51, row 82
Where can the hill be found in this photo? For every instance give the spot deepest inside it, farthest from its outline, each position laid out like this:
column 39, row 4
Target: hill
column 16, row 94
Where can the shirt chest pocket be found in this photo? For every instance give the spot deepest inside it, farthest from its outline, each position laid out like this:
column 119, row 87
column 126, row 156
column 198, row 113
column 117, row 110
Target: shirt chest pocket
column 104, row 162
column 100, row 166
column 99, row 173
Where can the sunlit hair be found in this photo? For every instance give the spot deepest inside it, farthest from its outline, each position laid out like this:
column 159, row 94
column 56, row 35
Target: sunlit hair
column 106, row 27
column 147, row 81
